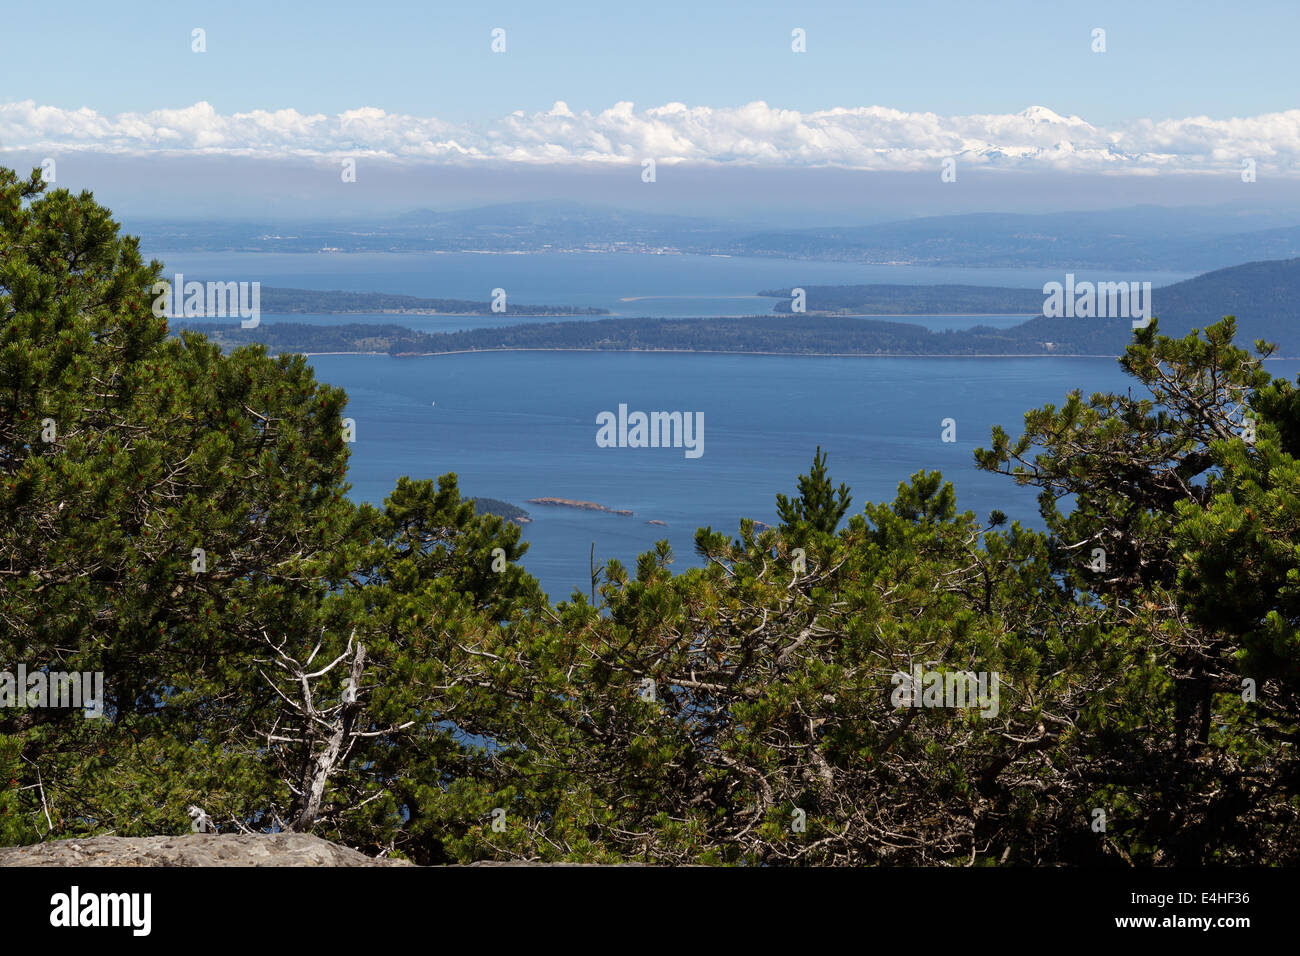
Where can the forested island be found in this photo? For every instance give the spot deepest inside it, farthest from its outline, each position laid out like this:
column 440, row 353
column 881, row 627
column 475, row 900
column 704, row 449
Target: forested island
column 314, row 339
column 1263, row 291
column 502, row 509
column 912, row 300
column 579, row 505
column 802, row 335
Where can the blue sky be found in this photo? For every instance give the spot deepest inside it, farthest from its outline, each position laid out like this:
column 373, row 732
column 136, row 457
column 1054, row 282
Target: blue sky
column 586, row 92
column 432, row 58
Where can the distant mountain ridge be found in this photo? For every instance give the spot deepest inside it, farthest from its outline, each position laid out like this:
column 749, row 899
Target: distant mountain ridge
column 1136, row 239
column 1264, row 296
column 1181, row 239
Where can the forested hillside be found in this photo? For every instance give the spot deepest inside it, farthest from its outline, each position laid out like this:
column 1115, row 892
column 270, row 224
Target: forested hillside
column 913, row 300
column 390, row 678
column 1143, row 238
column 1263, row 294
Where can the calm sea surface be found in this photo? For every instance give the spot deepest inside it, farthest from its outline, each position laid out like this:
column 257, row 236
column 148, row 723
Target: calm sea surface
column 632, row 285
column 516, row 426
column 523, row 425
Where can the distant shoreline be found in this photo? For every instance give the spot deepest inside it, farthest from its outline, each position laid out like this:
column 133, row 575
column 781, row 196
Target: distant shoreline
column 450, row 315
column 1047, row 355
column 283, row 301
column 609, row 315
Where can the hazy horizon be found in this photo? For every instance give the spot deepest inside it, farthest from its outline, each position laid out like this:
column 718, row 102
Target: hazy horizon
column 822, row 114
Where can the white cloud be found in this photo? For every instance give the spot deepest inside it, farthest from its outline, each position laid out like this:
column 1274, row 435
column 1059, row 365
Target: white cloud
column 867, row 137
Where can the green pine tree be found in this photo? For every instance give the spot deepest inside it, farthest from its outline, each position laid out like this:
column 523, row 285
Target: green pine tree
column 820, row 505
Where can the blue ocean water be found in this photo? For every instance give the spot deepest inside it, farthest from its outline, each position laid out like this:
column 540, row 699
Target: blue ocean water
column 631, row 285
column 515, row 426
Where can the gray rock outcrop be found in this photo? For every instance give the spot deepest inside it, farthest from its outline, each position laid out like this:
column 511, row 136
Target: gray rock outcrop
column 193, row 849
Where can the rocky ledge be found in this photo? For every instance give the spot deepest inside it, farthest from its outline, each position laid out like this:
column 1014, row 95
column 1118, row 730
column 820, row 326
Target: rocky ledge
column 194, row 849
column 580, row 505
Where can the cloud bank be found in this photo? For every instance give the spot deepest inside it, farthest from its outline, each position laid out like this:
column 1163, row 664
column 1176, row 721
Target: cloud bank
column 756, row 134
